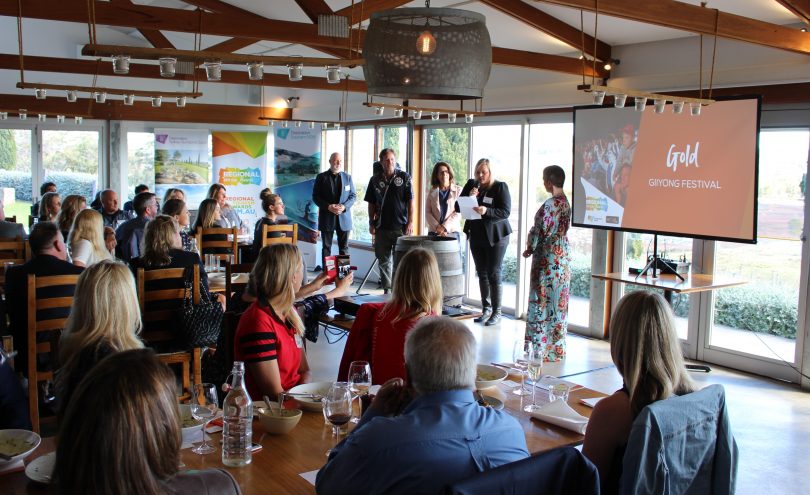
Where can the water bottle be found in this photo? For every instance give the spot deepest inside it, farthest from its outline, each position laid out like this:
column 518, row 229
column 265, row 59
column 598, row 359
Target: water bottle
column 237, row 433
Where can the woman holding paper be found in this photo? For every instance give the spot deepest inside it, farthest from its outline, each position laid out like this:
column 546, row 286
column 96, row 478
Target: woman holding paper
column 489, row 237
column 644, row 347
column 550, row 279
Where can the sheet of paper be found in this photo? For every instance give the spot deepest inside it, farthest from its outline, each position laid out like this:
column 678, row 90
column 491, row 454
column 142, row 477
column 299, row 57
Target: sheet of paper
column 591, row 402
column 546, row 381
column 310, row 476
column 466, row 205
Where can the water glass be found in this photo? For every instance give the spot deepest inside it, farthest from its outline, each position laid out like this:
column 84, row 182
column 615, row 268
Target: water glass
column 337, row 407
column 359, row 382
column 203, row 408
column 558, row 391
column 520, row 357
column 534, row 369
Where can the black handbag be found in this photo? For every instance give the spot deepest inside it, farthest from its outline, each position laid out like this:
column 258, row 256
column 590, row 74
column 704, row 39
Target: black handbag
column 200, row 324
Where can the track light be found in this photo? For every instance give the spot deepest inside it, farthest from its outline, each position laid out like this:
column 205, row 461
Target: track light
column 3, row 115
column 181, row 102
column 337, row 126
column 100, row 96
column 451, row 118
column 298, row 123
column 120, row 64
column 417, row 114
column 659, row 105
column 213, row 70
column 168, row 66
column 619, row 100
column 434, row 115
column 311, row 125
column 22, row 114
column 157, row 101
column 640, row 102
column 469, row 118
column 255, row 71
column 60, row 119
column 284, row 124
column 333, row 74
column 398, row 113
column 598, row 97
column 295, row 72
column 379, row 110
column 71, row 96
column 271, row 123
column 677, row 107
column 78, row 120
column 694, row 108
column 129, row 100
column 42, row 117
column 40, row 93
column 610, row 64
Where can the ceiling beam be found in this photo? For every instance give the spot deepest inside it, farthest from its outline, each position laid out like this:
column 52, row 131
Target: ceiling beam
column 552, row 26
column 156, row 38
column 149, row 71
column 361, row 11
column 701, row 20
column 231, row 45
column 799, row 8
column 543, row 61
column 314, row 8
column 218, row 7
column 143, row 110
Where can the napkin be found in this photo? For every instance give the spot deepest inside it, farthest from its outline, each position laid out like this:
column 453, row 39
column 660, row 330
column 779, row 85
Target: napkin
column 559, row 413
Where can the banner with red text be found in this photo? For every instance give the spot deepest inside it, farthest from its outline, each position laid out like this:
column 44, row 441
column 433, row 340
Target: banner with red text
column 240, row 164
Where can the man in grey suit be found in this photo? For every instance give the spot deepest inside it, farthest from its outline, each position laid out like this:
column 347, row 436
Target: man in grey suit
column 334, row 194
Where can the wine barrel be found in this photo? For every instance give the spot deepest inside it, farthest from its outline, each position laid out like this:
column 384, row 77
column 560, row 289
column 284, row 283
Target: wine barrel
column 446, row 250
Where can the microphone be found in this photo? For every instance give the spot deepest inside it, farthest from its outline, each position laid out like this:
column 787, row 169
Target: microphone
column 473, row 183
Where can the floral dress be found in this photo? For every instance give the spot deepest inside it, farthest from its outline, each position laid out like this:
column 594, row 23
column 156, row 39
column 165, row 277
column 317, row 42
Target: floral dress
column 547, row 321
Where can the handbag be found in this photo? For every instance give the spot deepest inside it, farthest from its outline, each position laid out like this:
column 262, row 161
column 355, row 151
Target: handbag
column 200, row 324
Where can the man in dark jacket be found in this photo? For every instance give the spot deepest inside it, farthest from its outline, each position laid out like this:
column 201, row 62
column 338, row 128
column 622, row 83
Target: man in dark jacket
column 334, row 194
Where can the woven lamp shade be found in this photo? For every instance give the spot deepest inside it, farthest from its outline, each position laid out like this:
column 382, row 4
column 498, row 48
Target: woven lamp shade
column 457, row 70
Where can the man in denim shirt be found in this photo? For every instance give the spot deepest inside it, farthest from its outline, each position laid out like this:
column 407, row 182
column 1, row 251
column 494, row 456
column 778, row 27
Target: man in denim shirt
column 420, row 437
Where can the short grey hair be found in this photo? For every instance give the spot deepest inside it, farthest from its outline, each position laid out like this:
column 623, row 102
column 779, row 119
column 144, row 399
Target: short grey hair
column 440, row 355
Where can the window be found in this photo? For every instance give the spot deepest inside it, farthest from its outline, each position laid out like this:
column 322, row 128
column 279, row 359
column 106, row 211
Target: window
column 140, row 161
column 396, row 138
column 71, row 160
column 16, row 173
column 550, row 144
column 334, row 141
column 362, row 158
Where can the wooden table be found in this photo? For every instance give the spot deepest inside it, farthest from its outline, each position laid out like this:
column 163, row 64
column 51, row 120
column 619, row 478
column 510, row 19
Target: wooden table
column 276, row 468
column 694, row 282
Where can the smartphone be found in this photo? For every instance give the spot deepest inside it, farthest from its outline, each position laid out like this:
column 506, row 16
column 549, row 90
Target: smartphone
column 255, row 447
column 343, row 266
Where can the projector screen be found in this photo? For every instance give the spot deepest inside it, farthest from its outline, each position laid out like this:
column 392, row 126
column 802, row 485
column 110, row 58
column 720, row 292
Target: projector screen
column 674, row 174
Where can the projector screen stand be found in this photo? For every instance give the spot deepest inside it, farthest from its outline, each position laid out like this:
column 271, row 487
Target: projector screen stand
column 653, row 263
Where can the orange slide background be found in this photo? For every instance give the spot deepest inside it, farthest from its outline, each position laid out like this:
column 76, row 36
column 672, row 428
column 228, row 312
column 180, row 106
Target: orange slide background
column 727, row 136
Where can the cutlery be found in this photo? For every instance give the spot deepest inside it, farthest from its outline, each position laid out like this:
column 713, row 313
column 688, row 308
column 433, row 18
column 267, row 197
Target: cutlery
column 510, row 368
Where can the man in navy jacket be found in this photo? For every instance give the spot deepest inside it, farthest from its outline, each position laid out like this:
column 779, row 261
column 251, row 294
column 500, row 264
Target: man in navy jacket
column 334, row 194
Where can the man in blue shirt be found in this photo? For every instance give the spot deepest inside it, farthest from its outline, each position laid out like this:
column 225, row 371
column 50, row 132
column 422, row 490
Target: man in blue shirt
column 420, row 437
column 129, row 234
column 390, row 212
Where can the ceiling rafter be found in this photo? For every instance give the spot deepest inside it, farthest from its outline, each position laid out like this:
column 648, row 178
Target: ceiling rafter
column 231, row 45
column 314, row 8
column 139, row 16
column 551, row 26
column 153, row 36
column 150, row 71
column 799, row 8
column 687, row 17
column 544, row 61
column 363, row 10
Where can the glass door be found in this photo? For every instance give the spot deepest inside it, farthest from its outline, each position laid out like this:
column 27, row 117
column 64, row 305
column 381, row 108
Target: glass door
column 755, row 326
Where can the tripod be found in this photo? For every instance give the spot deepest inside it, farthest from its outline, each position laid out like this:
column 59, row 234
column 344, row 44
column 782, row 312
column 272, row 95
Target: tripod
column 368, row 273
column 655, row 262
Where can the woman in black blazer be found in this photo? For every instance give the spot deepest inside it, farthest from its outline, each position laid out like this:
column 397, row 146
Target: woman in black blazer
column 488, row 237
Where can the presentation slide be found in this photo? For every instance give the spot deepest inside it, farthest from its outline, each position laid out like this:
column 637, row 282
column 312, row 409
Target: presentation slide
column 668, row 173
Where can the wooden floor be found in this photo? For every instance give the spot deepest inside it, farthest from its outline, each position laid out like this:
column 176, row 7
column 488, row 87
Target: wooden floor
column 770, row 419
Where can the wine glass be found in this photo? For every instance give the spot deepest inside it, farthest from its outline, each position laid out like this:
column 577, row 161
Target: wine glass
column 520, row 356
column 534, row 369
column 359, row 382
column 337, row 407
column 203, row 408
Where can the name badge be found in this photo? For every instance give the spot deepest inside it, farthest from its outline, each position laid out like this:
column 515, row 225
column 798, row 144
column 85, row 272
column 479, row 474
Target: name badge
column 487, row 200
column 347, row 188
column 299, row 342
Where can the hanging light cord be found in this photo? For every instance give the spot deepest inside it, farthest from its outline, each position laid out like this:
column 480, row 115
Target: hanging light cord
column 714, row 52
column 582, row 43
column 20, row 39
column 595, row 32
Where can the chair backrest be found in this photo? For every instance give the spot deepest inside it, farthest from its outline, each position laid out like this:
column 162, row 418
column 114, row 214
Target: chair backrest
column 4, row 262
column 49, row 302
column 682, row 445
column 12, row 248
column 161, row 293
column 218, row 241
column 280, row 234
column 30, row 221
column 230, row 286
column 12, row 219
column 558, row 471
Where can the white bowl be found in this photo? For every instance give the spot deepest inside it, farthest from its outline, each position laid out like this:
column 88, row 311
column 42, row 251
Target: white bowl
column 488, row 376
column 279, row 421
column 17, row 444
column 316, row 388
column 187, row 419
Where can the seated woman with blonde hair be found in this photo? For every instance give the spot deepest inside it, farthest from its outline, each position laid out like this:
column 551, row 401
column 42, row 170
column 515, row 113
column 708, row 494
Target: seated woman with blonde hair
column 379, row 330
column 645, row 349
column 86, row 239
column 121, row 434
column 104, row 319
column 270, row 335
column 71, row 206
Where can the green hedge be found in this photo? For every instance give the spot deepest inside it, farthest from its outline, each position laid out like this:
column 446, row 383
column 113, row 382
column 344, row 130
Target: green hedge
column 66, row 183
column 20, row 181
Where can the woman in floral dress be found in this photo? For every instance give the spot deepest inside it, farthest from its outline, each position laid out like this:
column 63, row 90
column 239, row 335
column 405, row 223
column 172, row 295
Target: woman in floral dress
column 547, row 321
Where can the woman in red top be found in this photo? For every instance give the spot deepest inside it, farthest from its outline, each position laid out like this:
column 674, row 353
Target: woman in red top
column 378, row 332
column 269, row 337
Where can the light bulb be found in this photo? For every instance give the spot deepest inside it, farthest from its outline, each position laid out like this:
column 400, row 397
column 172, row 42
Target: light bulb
column 426, row 43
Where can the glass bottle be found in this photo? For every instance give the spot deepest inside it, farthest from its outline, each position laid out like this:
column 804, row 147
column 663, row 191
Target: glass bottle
column 237, row 432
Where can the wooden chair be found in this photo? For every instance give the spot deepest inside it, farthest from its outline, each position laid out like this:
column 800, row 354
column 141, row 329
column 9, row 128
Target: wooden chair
column 5, row 261
column 30, row 221
column 289, row 231
column 13, row 248
column 8, row 348
column 229, row 243
column 12, row 219
column 159, row 307
column 46, row 317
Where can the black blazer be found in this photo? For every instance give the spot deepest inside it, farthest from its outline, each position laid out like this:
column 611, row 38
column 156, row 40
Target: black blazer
column 494, row 225
column 17, row 297
column 322, row 196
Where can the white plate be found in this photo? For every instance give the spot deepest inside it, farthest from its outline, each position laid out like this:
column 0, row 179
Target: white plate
column 41, row 468
column 489, row 376
column 318, row 388
column 493, row 402
column 185, row 414
column 18, row 444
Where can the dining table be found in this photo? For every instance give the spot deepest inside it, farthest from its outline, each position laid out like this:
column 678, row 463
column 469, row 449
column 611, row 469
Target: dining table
column 278, row 466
